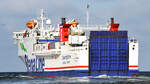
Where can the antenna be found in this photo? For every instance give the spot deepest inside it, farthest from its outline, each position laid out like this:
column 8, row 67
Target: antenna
column 87, row 15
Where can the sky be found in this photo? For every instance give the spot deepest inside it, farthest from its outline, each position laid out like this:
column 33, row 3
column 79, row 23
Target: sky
column 133, row 15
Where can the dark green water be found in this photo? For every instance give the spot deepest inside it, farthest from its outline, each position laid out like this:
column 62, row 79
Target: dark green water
column 22, row 78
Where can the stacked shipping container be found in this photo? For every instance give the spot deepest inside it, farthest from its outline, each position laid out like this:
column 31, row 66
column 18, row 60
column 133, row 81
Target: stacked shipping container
column 109, row 51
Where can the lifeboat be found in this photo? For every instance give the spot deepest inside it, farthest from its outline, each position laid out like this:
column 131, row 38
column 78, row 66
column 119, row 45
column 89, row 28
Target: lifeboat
column 74, row 23
column 31, row 24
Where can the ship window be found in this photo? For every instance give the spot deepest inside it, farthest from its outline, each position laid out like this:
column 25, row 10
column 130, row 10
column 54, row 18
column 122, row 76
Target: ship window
column 38, row 34
column 65, row 36
column 133, row 48
column 45, row 33
column 16, row 35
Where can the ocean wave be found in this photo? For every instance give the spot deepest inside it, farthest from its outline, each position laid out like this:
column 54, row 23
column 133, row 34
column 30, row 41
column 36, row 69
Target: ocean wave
column 22, row 78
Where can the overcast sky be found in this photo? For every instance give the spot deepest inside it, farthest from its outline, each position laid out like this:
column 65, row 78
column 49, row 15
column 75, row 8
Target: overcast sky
column 133, row 15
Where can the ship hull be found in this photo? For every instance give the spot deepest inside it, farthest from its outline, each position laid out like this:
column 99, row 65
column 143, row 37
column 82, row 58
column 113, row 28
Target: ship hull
column 81, row 73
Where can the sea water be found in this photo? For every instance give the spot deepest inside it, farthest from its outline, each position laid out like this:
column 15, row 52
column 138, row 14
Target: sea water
column 22, row 78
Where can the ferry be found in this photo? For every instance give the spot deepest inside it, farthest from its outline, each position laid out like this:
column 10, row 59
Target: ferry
column 70, row 49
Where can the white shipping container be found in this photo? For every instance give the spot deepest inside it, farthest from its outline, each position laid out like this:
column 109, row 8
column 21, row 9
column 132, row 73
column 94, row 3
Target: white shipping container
column 76, row 39
column 133, row 55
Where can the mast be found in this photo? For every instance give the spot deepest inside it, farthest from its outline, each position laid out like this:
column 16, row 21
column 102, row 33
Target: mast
column 87, row 15
column 42, row 18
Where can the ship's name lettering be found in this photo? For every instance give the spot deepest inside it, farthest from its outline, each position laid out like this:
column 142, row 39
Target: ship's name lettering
column 66, row 62
column 66, row 57
column 35, row 64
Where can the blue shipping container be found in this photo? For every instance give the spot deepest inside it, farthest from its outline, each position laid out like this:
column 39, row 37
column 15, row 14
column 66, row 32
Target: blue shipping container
column 108, row 51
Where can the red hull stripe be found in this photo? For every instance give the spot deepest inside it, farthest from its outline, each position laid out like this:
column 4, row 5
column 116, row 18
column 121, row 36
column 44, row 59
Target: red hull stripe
column 66, row 67
column 133, row 66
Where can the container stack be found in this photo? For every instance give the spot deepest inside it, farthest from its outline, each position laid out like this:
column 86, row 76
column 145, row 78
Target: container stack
column 109, row 52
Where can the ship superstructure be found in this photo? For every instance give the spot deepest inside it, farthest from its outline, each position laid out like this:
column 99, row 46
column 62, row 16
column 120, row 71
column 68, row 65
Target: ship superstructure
column 67, row 50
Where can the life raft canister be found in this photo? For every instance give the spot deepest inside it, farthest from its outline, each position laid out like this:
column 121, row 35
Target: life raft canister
column 31, row 24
